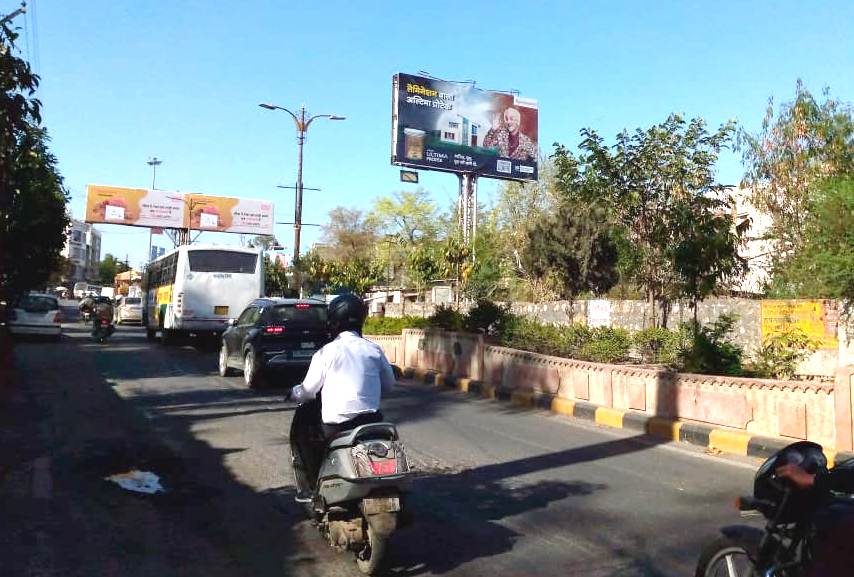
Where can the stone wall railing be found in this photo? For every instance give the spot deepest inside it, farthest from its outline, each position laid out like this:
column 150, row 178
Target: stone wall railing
column 820, row 412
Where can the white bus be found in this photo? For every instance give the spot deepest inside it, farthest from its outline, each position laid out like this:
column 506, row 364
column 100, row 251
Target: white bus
column 198, row 288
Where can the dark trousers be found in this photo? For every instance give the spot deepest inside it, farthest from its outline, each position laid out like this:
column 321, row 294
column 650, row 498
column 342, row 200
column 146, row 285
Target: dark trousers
column 833, row 555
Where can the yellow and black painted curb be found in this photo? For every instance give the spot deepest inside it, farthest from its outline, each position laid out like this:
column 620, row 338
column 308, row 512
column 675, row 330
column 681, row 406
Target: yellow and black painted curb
column 714, row 438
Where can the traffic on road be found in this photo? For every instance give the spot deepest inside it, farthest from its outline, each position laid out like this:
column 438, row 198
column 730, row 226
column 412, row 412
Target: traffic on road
column 489, row 490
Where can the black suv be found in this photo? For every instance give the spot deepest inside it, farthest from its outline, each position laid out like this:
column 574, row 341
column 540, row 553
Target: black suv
column 273, row 333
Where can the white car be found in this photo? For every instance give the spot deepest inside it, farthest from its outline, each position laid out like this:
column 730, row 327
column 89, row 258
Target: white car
column 36, row 314
column 128, row 310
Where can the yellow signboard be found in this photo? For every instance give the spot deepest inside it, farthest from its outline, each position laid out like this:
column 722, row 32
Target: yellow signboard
column 818, row 319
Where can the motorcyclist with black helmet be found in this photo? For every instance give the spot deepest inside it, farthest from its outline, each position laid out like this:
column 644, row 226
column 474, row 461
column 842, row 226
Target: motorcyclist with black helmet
column 834, row 556
column 352, row 374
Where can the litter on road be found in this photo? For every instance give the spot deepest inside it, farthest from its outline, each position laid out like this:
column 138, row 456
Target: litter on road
column 138, row 482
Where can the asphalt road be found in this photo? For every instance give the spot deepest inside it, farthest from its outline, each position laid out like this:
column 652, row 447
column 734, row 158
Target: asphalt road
column 500, row 490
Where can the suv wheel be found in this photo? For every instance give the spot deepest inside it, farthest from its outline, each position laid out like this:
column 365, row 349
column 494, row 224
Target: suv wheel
column 251, row 371
column 224, row 369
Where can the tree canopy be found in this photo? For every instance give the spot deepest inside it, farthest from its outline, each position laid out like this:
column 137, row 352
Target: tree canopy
column 32, row 196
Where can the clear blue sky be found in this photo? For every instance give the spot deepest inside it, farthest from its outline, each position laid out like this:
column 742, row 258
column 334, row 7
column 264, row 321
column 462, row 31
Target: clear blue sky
column 126, row 80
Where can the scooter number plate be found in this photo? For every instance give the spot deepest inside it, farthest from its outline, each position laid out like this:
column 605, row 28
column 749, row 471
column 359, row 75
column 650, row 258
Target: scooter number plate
column 374, row 505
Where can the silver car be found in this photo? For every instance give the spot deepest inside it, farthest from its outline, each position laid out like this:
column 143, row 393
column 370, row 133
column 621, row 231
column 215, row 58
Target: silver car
column 36, row 314
column 128, row 310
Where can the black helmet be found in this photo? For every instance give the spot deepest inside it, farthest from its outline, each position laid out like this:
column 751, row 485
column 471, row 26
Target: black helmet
column 347, row 313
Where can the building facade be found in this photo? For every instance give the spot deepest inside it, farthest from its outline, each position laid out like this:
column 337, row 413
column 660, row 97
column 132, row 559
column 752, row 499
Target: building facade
column 83, row 250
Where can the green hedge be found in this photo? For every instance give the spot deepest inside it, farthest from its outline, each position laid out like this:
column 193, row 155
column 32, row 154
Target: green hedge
column 392, row 326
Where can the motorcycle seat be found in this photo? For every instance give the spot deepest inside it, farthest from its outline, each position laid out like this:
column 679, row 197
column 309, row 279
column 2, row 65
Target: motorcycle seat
column 370, row 431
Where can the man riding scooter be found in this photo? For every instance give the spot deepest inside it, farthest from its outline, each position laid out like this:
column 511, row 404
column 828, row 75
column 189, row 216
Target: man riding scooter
column 102, row 315
column 352, row 373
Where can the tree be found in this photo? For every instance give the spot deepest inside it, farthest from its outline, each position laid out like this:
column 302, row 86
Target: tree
column 349, row 234
column 276, row 279
column 658, row 185
column 412, row 216
column 263, row 241
column 32, row 197
column 786, row 161
column 824, row 266
column 108, row 268
column 424, row 265
column 572, row 252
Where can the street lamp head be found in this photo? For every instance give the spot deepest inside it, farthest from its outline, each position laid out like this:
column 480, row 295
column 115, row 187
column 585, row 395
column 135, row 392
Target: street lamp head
column 154, row 161
column 336, row 117
column 268, row 106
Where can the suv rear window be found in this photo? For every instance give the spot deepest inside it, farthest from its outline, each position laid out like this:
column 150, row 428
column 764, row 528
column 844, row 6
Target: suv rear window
column 131, row 301
column 221, row 261
column 38, row 304
column 306, row 314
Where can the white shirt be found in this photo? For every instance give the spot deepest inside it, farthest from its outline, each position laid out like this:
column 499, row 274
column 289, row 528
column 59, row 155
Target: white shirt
column 353, row 372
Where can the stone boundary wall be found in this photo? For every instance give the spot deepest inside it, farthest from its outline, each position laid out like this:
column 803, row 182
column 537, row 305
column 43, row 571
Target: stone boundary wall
column 816, row 411
column 634, row 315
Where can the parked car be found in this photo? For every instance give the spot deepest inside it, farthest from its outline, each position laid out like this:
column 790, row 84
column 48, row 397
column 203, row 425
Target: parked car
column 36, row 314
column 273, row 333
column 128, row 310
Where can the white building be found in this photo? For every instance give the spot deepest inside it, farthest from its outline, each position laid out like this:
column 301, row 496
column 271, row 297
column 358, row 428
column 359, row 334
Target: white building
column 756, row 248
column 83, row 249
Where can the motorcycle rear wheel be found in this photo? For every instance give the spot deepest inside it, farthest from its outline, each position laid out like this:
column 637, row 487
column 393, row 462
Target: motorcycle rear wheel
column 370, row 559
column 725, row 558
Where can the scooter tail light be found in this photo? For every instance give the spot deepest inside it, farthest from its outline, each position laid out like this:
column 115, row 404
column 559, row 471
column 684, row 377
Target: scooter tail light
column 384, row 467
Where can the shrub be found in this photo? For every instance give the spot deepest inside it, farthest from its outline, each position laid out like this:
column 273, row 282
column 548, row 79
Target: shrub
column 708, row 350
column 607, row 345
column 657, row 345
column 446, row 317
column 486, row 317
column 779, row 355
column 392, row 325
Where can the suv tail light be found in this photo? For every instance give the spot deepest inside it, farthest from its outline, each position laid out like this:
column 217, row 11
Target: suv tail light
column 274, row 330
column 57, row 319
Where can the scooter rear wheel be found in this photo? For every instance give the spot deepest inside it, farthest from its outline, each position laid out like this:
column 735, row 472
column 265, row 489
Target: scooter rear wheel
column 370, row 559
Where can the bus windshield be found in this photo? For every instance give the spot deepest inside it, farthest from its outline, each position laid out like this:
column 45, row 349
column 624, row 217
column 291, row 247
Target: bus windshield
column 222, row 261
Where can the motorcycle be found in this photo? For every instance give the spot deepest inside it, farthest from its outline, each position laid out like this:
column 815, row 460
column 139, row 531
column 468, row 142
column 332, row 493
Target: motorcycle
column 785, row 547
column 102, row 330
column 358, row 500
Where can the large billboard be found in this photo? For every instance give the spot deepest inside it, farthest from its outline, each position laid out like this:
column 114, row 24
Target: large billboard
column 169, row 209
column 223, row 214
column 134, row 206
column 456, row 127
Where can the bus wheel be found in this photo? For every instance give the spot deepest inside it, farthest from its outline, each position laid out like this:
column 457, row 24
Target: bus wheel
column 150, row 334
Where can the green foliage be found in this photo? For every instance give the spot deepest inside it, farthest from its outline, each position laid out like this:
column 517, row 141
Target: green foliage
column 657, row 345
column 393, row 326
column 708, row 350
column 448, row 318
column 824, row 265
column 32, row 196
column 573, row 252
column 276, row 280
column 424, row 265
column 108, row 268
column 486, row 317
column 780, row 354
column 658, row 186
column 328, row 276
column 800, row 146
column 607, row 345
column 349, row 235
column 412, row 216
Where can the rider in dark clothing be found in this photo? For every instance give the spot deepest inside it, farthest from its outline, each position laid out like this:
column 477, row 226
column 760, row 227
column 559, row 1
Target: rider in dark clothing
column 833, row 555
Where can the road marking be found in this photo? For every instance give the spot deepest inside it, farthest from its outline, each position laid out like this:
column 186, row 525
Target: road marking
column 664, row 428
column 610, row 417
column 729, row 441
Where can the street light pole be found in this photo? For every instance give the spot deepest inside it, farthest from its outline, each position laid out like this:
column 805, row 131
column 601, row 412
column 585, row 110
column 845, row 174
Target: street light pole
column 153, row 162
column 302, row 125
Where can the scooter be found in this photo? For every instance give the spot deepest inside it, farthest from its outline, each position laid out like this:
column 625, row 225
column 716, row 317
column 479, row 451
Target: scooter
column 102, row 330
column 359, row 498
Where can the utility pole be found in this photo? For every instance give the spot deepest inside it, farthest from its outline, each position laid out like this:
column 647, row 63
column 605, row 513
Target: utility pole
column 153, row 162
